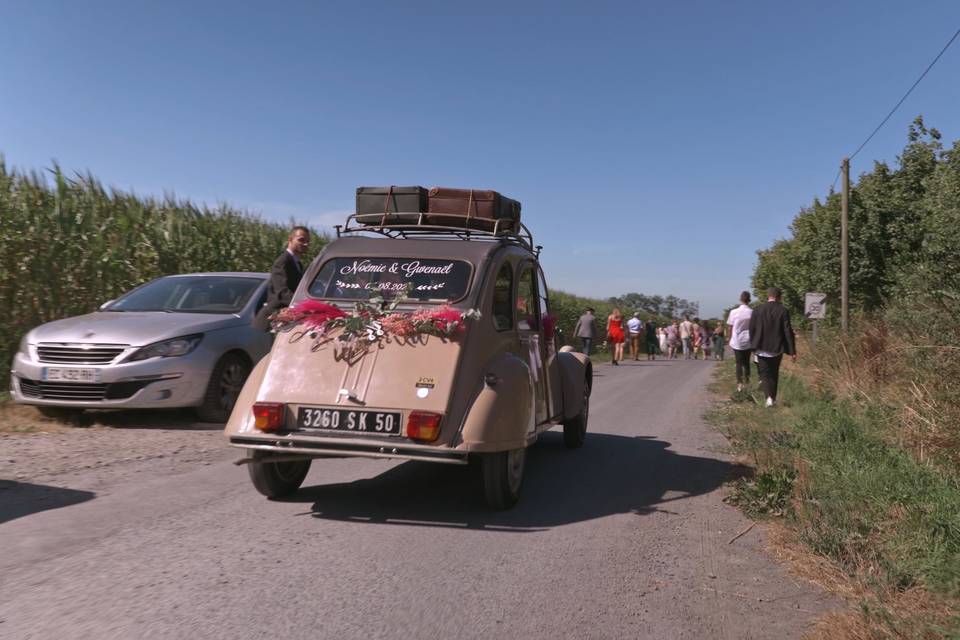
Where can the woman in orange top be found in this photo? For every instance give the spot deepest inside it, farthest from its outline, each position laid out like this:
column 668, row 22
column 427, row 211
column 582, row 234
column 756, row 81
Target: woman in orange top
column 615, row 334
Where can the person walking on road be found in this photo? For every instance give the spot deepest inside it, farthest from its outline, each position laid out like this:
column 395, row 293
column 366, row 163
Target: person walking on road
column 739, row 322
column 615, row 334
column 673, row 339
column 662, row 338
column 650, row 337
column 285, row 275
column 634, row 329
column 686, row 337
column 586, row 330
column 718, row 341
column 771, row 336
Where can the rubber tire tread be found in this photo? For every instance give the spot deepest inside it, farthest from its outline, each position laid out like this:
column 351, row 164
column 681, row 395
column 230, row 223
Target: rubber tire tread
column 575, row 429
column 210, row 410
column 269, row 481
column 496, row 487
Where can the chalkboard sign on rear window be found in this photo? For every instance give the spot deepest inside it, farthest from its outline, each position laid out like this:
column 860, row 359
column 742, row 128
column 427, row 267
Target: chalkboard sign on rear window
column 411, row 278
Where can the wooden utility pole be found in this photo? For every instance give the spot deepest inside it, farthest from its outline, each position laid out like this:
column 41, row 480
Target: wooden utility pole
column 844, row 264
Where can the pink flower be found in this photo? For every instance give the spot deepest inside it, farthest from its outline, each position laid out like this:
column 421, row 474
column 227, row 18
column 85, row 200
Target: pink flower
column 314, row 313
column 445, row 315
column 399, row 324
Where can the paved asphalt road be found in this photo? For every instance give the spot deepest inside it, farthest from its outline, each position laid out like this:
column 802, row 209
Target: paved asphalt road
column 624, row 538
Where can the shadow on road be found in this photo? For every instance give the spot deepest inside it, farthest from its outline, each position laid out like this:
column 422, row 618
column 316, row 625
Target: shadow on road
column 611, row 474
column 18, row 499
column 182, row 419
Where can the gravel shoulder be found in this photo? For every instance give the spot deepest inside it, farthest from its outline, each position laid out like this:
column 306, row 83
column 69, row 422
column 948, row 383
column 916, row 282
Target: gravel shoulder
column 46, row 464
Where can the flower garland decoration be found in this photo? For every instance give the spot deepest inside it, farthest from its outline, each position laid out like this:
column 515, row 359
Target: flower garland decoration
column 366, row 324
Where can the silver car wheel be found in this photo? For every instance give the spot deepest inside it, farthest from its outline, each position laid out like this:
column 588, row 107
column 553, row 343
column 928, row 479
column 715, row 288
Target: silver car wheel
column 231, row 383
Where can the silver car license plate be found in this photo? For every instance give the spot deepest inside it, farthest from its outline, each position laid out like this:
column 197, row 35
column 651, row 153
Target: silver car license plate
column 373, row 423
column 71, row 374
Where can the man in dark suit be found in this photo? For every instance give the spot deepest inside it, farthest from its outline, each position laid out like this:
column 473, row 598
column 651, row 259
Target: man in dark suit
column 771, row 336
column 285, row 276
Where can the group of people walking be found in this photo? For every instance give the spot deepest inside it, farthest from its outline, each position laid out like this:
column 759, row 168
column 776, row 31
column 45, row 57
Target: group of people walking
column 763, row 334
column 697, row 339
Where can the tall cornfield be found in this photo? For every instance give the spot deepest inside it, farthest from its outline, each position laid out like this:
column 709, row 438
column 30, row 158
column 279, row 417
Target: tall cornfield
column 67, row 244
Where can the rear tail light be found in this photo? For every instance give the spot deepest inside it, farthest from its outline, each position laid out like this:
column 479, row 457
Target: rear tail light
column 268, row 416
column 423, row 426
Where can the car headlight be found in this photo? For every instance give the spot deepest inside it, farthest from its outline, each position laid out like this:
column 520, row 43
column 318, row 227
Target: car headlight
column 167, row 348
column 24, row 346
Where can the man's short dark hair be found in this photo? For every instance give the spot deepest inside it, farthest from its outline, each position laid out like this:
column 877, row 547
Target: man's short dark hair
column 745, row 297
column 590, row 309
column 293, row 231
column 774, row 292
column 686, row 316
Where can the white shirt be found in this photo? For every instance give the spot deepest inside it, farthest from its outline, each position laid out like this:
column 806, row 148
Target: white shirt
column 634, row 325
column 739, row 321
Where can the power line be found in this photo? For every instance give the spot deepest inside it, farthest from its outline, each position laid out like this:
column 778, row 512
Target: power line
column 909, row 91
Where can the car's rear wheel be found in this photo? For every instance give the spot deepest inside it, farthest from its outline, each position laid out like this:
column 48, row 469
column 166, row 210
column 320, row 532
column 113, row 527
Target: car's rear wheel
column 225, row 384
column 503, row 477
column 575, row 429
column 278, row 479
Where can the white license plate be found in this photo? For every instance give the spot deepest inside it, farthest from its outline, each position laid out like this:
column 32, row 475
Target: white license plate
column 61, row 374
column 373, row 423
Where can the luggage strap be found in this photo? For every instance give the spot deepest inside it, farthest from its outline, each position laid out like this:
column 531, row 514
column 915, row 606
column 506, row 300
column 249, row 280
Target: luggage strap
column 386, row 206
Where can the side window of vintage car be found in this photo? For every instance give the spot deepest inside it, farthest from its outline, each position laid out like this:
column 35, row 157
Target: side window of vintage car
column 502, row 311
column 526, row 302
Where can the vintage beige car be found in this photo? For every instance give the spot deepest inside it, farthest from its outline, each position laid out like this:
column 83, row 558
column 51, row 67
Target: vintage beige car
column 414, row 342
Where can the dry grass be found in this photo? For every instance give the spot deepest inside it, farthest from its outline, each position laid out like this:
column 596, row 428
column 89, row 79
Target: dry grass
column 872, row 614
column 916, row 381
column 20, row 419
column 864, row 522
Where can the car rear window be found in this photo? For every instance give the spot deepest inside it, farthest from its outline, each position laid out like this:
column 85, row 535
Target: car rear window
column 424, row 280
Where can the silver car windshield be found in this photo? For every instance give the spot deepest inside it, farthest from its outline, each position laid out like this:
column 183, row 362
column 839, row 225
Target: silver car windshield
column 423, row 280
column 189, row 294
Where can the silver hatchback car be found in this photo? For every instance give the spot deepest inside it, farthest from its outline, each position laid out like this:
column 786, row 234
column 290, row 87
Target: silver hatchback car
column 177, row 341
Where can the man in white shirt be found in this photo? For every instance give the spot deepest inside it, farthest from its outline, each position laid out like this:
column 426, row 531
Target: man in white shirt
column 738, row 322
column 686, row 337
column 634, row 329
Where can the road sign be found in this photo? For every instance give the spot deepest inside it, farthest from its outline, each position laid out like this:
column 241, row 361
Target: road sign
column 814, row 306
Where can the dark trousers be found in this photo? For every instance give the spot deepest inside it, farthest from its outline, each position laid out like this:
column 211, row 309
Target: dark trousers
column 769, row 371
column 742, row 356
column 586, row 342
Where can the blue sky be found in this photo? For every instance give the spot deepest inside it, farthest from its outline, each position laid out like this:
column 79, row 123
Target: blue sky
column 655, row 146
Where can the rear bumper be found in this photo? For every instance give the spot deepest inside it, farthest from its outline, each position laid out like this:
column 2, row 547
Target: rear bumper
column 284, row 444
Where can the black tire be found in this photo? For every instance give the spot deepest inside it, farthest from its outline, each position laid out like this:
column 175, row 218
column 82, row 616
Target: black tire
column 278, row 479
column 224, row 387
column 59, row 413
column 575, row 429
column 503, row 477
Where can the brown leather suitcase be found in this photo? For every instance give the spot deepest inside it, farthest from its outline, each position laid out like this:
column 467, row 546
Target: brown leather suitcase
column 375, row 204
column 479, row 208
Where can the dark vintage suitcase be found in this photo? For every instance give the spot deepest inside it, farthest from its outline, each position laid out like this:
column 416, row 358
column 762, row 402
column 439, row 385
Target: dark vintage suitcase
column 375, row 204
column 473, row 207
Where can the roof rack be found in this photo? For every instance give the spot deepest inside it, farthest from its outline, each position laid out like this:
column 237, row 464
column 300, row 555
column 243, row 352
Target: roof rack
column 416, row 225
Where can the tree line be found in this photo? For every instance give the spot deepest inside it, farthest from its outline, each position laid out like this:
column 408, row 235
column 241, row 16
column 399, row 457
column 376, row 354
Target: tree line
column 904, row 236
